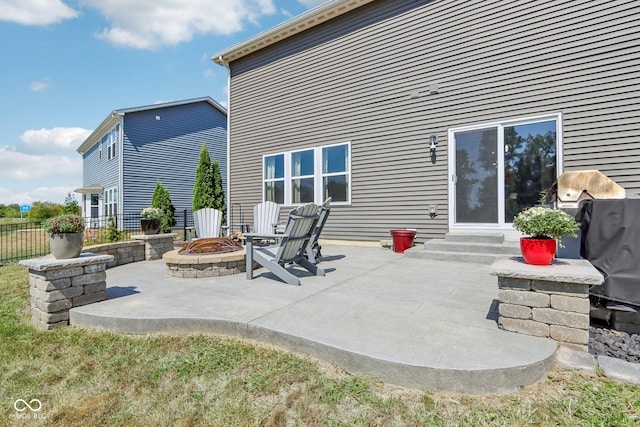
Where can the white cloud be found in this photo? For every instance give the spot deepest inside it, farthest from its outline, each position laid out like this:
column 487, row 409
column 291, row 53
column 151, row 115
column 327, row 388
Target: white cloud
column 39, row 86
column 312, row 3
column 35, row 12
column 57, row 140
column 209, row 73
column 16, row 165
column 148, row 24
column 40, row 194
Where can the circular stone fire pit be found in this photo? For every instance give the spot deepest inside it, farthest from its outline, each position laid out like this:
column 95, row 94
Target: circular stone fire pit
column 200, row 259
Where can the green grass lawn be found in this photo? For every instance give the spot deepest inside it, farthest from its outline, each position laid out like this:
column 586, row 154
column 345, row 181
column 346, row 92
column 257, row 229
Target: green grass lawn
column 86, row 378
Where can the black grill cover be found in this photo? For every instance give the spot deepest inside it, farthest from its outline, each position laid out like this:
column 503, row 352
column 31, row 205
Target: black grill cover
column 610, row 231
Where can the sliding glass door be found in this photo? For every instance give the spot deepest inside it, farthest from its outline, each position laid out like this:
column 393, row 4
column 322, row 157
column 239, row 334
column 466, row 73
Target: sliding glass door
column 499, row 169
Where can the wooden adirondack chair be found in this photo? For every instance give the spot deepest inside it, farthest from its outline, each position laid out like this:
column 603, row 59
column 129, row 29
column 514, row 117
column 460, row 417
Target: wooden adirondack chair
column 313, row 248
column 291, row 248
column 265, row 217
column 207, row 222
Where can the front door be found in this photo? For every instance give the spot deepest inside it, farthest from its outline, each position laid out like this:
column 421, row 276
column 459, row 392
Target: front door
column 497, row 170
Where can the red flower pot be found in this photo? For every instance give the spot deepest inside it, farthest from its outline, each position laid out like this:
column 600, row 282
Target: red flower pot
column 538, row 251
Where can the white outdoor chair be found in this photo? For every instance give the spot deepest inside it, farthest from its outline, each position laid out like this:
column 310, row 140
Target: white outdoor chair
column 208, row 222
column 265, row 217
column 291, row 248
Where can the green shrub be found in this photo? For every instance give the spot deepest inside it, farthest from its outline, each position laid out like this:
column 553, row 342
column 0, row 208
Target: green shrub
column 162, row 200
column 113, row 234
column 539, row 222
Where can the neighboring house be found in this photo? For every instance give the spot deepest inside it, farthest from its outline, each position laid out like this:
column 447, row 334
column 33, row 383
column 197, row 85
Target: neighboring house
column 134, row 148
column 343, row 100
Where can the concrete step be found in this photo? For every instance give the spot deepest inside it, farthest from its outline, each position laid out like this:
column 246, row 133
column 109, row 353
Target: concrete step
column 474, row 237
column 505, row 248
column 472, row 246
column 471, row 257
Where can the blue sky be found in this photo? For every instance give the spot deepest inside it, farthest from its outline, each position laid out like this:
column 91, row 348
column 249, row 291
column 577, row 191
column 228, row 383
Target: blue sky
column 66, row 64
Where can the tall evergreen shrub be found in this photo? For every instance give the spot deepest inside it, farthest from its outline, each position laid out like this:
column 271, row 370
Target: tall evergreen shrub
column 218, row 191
column 162, row 201
column 203, row 189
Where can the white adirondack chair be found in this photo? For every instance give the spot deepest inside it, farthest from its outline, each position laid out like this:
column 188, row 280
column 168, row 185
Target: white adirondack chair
column 208, row 222
column 291, row 248
column 265, row 217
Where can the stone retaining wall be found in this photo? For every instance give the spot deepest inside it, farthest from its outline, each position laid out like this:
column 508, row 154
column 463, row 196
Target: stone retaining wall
column 56, row 285
column 122, row 252
column 156, row 245
column 546, row 301
column 140, row 248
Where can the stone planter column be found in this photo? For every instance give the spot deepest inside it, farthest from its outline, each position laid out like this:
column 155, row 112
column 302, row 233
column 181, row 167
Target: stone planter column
column 56, row 285
column 549, row 301
column 155, row 245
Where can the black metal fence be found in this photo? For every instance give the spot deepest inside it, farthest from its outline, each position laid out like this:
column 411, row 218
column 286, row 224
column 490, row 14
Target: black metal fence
column 23, row 239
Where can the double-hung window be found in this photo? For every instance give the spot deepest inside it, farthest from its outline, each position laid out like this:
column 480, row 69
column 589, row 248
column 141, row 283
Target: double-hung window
column 308, row 176
column 302, row 177
column 274, row 178
column 112, row 142
column 111, row 202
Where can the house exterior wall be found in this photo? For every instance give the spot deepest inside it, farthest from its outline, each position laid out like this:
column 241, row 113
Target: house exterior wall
column 365, row 78
column 99, row 170
column 164, row 145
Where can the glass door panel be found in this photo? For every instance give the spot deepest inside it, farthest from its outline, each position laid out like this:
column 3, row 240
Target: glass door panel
column 476, row 172
column 529, row 164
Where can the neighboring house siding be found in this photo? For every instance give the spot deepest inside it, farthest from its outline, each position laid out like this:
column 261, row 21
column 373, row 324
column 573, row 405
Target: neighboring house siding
column 168, row 150
column 96, row 170
column 364, row 77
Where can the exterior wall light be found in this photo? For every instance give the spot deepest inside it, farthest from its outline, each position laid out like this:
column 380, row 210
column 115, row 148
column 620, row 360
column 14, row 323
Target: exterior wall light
column 433, row 143
column 433, row 211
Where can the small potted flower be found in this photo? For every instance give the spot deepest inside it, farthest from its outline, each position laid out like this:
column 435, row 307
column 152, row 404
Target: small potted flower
column 545, row 227
column 151, row 220
column 66, row 235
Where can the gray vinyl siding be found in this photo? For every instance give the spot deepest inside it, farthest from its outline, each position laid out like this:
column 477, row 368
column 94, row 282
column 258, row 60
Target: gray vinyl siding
column 96, row 170
column 168, row 150
column 352, row 79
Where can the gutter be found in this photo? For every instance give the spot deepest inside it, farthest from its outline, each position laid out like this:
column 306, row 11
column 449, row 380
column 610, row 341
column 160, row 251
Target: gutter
column 298, row 24
column 111, row 120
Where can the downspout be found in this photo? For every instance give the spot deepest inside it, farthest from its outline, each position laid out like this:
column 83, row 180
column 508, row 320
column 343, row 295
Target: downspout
column 120, row 187
column 229, row 219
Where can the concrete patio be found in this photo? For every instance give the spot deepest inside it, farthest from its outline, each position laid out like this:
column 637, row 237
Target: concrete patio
column 416, row 323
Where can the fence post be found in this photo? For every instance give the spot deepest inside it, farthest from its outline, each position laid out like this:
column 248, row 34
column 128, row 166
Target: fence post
column 184, row 224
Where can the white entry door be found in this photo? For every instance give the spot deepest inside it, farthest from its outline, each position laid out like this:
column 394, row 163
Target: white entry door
column 497, row 170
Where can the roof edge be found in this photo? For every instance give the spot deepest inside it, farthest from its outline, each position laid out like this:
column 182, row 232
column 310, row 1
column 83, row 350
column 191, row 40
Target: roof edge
column 298, row 24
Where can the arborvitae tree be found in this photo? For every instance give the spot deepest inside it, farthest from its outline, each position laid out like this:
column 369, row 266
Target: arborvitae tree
column 203, row 189
column 113, row 235
column 162, row 200
column 218, row 191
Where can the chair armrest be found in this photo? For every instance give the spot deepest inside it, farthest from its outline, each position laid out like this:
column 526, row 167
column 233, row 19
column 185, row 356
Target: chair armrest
column 264, row 236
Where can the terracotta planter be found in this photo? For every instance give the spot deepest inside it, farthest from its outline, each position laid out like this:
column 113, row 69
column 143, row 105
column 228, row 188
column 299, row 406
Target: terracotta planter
column 150, row 226
column 538, row 251
column 66, row 245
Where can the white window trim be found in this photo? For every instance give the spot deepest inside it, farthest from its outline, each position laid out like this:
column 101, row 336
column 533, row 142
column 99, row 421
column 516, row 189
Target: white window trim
column 109, row 201
column 500, row 125
column 318, row 175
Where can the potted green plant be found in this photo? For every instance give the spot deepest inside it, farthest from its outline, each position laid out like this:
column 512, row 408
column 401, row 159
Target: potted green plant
column 544, row 228
column 66, row 235
column 151, row 220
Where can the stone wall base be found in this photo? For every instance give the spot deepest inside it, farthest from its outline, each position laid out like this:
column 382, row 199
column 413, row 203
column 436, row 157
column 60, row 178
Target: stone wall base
column 122, row 252
column 156, row 245
column 546, row 301
column 58, row 285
